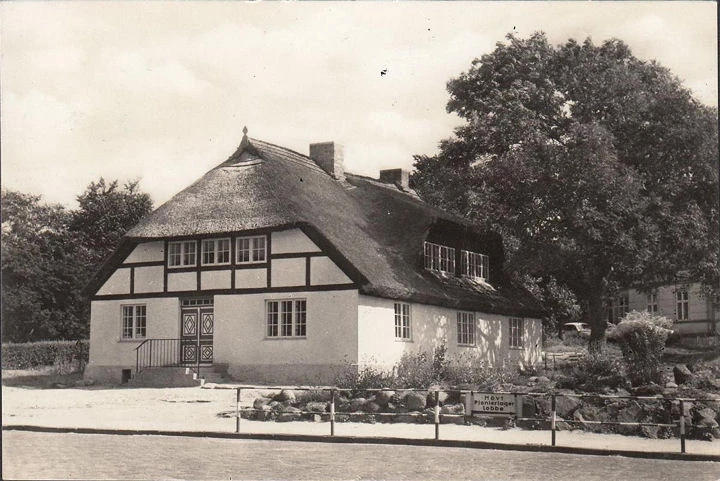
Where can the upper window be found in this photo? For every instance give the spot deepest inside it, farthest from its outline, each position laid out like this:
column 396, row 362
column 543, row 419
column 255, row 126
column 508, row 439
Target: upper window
column 181, row 254
column 466, row 328
column 215, row 251
column 652, row 303
column 475, row 265
column 683, row 305
column 286, row 318
column 402, row 321
column 251, row 249
column 134, row 322
column 439, row 258
column 517, row 329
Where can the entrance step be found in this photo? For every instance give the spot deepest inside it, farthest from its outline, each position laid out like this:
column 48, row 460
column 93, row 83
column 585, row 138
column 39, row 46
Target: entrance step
column 163, row 377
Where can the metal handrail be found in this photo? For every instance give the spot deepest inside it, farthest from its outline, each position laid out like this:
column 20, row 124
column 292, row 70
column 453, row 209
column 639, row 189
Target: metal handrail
column 159, row 352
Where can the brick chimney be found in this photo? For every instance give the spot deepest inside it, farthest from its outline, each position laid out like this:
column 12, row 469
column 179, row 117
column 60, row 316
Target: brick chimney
column 329, row 156
column 399, row 177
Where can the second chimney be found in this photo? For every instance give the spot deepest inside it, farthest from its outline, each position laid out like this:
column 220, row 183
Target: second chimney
column 329, row 156
column 399, row 177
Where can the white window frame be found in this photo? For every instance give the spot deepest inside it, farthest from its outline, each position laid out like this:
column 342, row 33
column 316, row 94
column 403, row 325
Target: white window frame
column 135, row 330
column 213, row 247
column 286, row 318
column 516, row 338
column 255, row 254
column 185, row 253
column 439, row 258
column 621, row 306
column 682, row 305
column 475, row 265
column 652, row 302
column 403, row 322
column 466, row 327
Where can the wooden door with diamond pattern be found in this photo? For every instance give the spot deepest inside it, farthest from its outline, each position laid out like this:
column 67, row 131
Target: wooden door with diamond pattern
column 196, row 327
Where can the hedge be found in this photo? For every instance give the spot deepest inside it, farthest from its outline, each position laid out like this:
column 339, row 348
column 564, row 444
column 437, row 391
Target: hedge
column 43, row 353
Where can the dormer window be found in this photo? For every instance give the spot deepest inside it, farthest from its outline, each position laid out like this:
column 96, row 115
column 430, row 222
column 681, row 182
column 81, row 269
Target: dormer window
column 439, row 258
column 474, row 265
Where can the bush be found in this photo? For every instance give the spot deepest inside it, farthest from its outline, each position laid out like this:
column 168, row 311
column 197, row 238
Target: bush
column 641, row 337
column 359, row 379
column 592, row 372
column 61, row 354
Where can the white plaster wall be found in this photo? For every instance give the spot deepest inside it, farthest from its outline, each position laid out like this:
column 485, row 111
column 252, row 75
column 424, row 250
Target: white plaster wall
column 292, row 240
column 147, row 252
column 215, row 279
column 149, row 279
column 250, row 278
column 287, row 272
column 106, row 346
column 698, row 308
column 182, row 281
column 240, row 330
column 324, row 271
column 117, row 283
column 433, row 325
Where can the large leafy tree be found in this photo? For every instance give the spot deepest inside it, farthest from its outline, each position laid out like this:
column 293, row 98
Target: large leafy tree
column 49, row 253
column 600, row 169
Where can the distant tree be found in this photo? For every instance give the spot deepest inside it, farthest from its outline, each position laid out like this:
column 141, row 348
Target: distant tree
column 598, row 168
column 559, row 302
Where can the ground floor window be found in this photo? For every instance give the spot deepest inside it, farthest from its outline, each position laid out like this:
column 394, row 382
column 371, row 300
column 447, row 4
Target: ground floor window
column 683, row 305
column 134, row 322
column 517, row 329
column 466, row 328
column 402, row 321
column 286, row 318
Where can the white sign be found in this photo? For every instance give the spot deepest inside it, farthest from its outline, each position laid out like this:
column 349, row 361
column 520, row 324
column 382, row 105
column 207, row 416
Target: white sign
column 488, row 403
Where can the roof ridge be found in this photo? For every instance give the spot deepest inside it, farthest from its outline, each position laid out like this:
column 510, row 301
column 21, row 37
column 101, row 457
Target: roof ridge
column 302, row 158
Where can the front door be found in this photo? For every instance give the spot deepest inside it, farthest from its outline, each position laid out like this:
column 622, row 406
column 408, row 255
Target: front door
column 196, row 326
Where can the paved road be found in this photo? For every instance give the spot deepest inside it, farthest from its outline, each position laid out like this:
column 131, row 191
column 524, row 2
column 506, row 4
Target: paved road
column 29, row 455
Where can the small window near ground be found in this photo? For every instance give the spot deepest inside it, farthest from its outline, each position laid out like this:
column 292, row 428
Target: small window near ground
column 402, row 321
column 181, row 254
column 251, row 250
column 286, row 318
column 517, row 329
column 683, row 305
column 134, row 322
column 466, row 328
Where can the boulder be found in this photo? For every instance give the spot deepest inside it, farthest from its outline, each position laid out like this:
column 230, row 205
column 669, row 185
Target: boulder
column 529, row 409
column 316, row 407
column 670, row 385
column 384, row 397
column 287, row 417
column 452, row 409
column 651, row 389
column 566, row 405
column 415, row 401
column 706, row 417
column 442, row 397
column 357, row 404
column 261, row 402
column 371, row 407
column 682, row 374
column 291, row 410
column 285, row 395
column 630, row 413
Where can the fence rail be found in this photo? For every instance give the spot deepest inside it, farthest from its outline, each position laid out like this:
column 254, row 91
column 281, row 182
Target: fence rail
column 164, row 353
column 552, row 419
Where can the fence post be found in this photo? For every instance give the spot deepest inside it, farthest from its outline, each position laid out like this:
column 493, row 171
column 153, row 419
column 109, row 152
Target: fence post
column 552, row 418
column 151, row 358
column 437, row 415
column 332, row 413
column 237, row 411
column 682, row 426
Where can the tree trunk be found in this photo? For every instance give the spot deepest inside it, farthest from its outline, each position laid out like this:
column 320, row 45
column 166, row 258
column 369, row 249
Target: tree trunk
column 596, row 317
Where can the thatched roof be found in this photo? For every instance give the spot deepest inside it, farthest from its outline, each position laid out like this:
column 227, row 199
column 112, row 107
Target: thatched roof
column 375, row 228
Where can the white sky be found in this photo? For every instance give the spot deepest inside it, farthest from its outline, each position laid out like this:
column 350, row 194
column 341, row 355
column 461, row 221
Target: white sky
column 160, row 91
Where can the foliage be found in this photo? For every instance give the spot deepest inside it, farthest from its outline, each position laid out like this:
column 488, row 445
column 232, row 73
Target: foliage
column 596, row 167
column 44, row 353
column 361, row 378
column 641, row 337
column 49, row 254
column 559, row 302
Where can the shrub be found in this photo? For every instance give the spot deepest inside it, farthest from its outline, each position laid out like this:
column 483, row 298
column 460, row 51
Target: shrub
column 641, row 337
column 415, row 370
column 592, row 372
column 361, row 378
column 61, row 354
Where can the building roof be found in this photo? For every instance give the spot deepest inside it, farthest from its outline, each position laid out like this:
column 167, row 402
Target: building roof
column 375, row 231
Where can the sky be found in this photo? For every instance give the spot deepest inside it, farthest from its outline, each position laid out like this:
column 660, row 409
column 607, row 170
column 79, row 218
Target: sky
column 160, row 91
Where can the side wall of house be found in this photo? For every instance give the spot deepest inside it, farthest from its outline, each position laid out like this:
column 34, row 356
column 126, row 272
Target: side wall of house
column 700, row 314
column 432, row 326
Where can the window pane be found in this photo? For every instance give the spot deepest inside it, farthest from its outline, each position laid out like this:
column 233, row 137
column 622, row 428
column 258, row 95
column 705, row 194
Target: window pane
column 286, row 317
column 189, row 253
column 208, row 252
column 300, row 318
column 174, row 254
column 140, row 322
column 127, row 327
column 223, row 251
column 243, row 250
column 272, row 318
column 258, row 249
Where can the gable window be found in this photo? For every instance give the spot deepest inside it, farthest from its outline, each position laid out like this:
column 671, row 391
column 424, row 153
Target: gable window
column 652, row 303
column 286, row 318
column 466, row 328
column 682, row 306
column 181, row 254
column 439, row 258
column 402, row 321
column 251, row 249
column 215, row 251
column 517, row 328
column 475, row 265
column 134, row 322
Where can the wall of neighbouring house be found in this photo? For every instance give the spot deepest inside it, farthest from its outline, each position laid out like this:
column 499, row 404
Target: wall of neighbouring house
column 700, row 314
column 109, row 354
column 434, row 325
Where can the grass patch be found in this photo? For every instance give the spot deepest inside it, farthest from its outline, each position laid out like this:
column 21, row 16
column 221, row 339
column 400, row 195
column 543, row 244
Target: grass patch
column 45, row 377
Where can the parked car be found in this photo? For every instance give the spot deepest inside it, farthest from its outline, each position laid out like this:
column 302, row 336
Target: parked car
column 579, row 329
